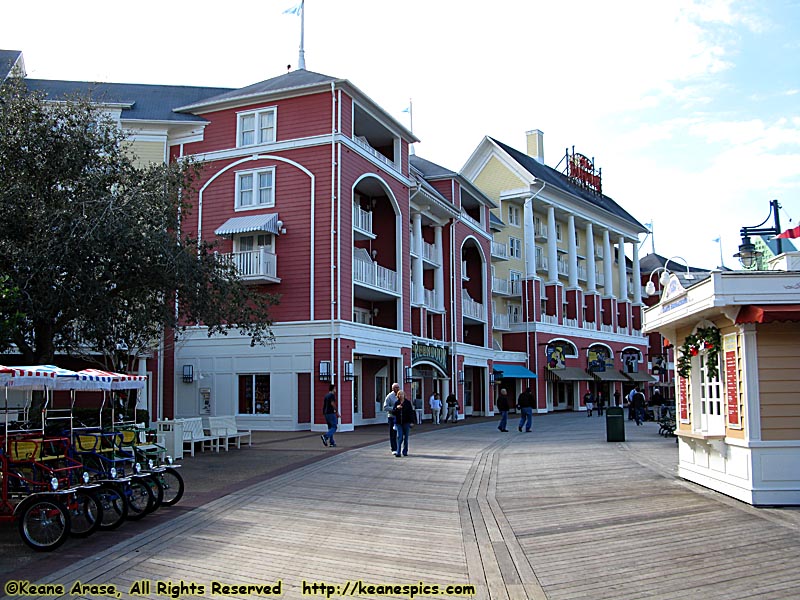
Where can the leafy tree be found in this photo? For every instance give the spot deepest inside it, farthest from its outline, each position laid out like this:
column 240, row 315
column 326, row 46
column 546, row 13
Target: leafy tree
column 92, row 243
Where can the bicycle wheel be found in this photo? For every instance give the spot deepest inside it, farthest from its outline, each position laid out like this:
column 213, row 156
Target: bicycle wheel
column 172, row 482
column 115, row 509
column 158, row 491
column 86, row 513
column 43, row 523
column 139, row 498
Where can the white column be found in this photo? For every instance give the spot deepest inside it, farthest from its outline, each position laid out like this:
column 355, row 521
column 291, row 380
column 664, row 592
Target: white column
column 438, row 274
column 591, row 279
column 637, row 275
column 530, row 238
column 623, row 271
column 416, row 266
column 552, row 246
column 608, row 266
column 572, row 253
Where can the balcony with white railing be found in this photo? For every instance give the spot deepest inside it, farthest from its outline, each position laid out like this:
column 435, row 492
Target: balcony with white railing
column 500, row 286
column 542, row 263
column 551, row 319
column 362, row 222
column 374, row 276
column 600, row 278
column 430, row 299
column 607, row 328
column 571, row 323
column 582, row 271
column 471, row 309
column 429, row 253
column 364, row 145
column 470, row 220
column 539, row 230
column 563, row 267
column 499, row 251
column 515, row 287
column 256, row 266
column 500, row 322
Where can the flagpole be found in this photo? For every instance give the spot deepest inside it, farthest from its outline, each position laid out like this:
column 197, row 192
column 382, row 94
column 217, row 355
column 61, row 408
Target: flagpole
column 302, row 60
column 411, row 114
column 721, row 260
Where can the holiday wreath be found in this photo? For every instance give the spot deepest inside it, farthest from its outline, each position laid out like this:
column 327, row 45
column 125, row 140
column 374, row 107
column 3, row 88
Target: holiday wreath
column 704, row 339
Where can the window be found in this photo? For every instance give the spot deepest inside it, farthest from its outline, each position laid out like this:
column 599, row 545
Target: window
column 513, row 215
column 705, row 396
column 255, row 189
column 558, row 232
column 515, row 247
column 249, row 243
column 514, row 313
column 254, row 394
column 515, row 281
column 256, row 127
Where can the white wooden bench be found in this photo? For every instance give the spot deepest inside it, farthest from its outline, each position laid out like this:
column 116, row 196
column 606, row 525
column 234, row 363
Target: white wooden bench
column 194, row 433
column 225, row 428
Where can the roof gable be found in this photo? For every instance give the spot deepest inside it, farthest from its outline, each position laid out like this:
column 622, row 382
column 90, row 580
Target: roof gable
column 9, row 59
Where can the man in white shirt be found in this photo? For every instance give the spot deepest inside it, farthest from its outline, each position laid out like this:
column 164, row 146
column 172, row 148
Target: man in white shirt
column 435, row 403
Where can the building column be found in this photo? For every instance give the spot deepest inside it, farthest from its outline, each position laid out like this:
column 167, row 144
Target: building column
column 438, row 274
column 416, row 265
column 530, row 238
column 637, row 275
column 552, row 246
column 591, row 279
column 572, row 253
column 608, row 266
column 623, row 271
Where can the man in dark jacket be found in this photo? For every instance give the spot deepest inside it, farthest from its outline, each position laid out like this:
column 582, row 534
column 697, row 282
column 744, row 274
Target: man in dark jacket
column 502, row 406
column 404, row 416
column 638, row 406
column 525, row 404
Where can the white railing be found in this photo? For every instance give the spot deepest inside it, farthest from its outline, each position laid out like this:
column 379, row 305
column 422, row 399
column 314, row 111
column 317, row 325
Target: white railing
column 539, row 229
column 542, row 263
column 254, row 263
column 500, row 321
column 515, row 287
column 429, row 253
column 362, row 219
column 552, row 319
column 370, row 150
column 606, row 328
column 472, row 309
column 515, row 318
column 563, row 267
column 571, row 322
column 469, row 219
column 430, row 298
column 500, row 286
column 499, row 250
column 600, row 278
column 582, row 272
column 375, row 275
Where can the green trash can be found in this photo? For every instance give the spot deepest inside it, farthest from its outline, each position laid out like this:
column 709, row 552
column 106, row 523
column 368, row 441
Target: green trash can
column 615, row 424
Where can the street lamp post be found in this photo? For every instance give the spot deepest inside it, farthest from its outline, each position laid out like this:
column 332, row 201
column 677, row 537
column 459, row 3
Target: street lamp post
column 748, row 254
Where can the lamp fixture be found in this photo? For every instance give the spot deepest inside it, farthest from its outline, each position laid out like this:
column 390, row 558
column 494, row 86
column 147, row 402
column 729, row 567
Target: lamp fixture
column 374, row 253
column 188, row 373
column 747, row 254
column 491, row 377
column 461, row 377
column 280, row 226
column 348, row 371
column 408, row 374
column 376, row 311
column 663, row 279
column 324, row 370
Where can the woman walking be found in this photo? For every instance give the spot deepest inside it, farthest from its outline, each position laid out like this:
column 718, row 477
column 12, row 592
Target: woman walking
column 404, row 416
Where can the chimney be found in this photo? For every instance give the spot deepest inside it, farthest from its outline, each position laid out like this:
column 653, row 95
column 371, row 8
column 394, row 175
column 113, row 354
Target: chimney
column 535, row 144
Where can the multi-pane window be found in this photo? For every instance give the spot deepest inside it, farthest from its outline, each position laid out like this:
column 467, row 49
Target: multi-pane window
column 254, row 394
column 248, row 243
column 256, row 127
column 255, row 189
column 558, row 232
column 515, row 247
column 513, row 215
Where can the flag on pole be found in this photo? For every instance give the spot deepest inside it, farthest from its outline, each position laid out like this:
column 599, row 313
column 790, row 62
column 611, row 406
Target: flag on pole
column 789, row 234
column 715, row 240
column 294, row 10
column 407, row 109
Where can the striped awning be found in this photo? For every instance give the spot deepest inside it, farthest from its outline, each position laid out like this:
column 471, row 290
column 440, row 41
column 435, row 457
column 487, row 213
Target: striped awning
column 641, row 376
column 568, row 374
column 610, row 375
column 267, row 223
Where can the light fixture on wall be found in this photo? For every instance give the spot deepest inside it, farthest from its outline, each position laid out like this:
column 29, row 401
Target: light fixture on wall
column 376, row 311
column 348, row 371
column 747, row 254
column 324, row 370
column 408, row 374
column 461, row 377
column 663, row 279
column 281, row 228
column 491, row 377
column 188, row 373
column 374, row 254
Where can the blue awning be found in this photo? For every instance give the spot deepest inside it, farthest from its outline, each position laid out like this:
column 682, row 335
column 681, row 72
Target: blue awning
column 513, row 372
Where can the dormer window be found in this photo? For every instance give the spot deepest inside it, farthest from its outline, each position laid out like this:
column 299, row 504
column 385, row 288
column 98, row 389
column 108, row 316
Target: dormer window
column 255, row 189
column 256, row 127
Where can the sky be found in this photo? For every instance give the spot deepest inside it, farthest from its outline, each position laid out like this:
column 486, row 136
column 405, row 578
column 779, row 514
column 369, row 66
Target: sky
column 690, row 107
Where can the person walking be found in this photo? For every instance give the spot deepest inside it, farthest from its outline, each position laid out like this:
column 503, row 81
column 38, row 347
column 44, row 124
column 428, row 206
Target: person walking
column 525, row 404
column 452, row 408
column 502, row 406
column 331, row 416
column 435, row 403
column 638, row 406
column 404, row 416
column 588, row 400
column 600, row 403
column 388, row 408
